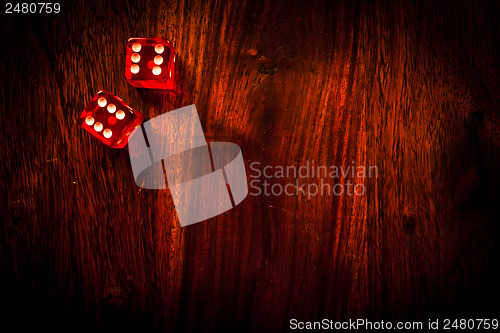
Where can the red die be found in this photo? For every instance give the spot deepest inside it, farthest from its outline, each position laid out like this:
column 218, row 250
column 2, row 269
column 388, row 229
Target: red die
column 109, row 119
column 150, row 63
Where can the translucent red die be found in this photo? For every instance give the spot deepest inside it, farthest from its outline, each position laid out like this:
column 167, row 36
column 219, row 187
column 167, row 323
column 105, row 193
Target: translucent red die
column 109, row 119
column 150, row 63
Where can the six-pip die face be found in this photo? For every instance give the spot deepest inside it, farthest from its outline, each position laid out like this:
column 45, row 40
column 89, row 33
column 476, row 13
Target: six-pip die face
column 109, row 119
column 150, row 63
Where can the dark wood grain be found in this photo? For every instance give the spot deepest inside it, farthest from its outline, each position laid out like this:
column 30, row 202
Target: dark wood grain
column 413, row 89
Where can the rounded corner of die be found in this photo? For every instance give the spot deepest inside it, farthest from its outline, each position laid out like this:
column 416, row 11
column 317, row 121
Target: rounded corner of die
column 102, row 92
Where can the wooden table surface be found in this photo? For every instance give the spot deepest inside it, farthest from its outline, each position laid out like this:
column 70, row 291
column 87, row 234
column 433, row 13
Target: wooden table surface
column 411, row 89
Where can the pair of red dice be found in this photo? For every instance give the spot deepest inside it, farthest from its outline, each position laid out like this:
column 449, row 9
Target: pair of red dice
column 150, row 63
